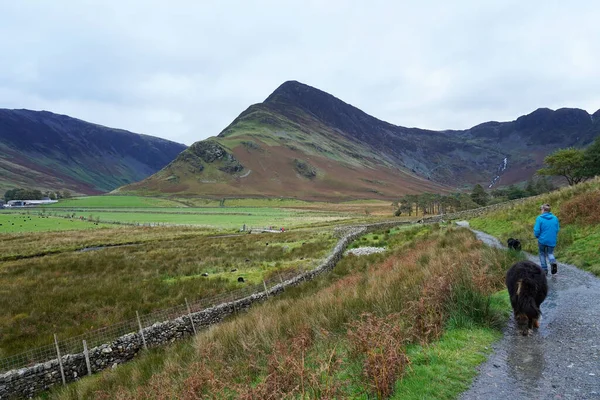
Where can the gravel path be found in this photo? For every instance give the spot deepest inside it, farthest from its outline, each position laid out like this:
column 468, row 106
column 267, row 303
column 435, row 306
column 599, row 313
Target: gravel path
column 561, row 360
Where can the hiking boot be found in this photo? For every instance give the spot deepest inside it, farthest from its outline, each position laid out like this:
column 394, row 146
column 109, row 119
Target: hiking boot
column 554, row 268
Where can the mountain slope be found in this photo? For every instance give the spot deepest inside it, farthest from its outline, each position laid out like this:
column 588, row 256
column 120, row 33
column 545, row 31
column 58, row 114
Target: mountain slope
column 55, row 152
column 303, row 142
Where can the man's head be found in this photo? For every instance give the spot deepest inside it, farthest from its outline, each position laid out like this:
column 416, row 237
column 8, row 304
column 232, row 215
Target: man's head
column 545, row 208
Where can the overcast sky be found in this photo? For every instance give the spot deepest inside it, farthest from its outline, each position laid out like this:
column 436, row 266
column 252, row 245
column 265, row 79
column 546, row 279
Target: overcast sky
column 184, row 69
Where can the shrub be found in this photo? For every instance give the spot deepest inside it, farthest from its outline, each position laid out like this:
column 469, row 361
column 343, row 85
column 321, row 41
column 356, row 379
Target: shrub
column 584, row 209
column 380, row 340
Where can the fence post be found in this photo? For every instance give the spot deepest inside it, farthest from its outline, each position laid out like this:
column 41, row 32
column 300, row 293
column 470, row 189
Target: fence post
column 141, row 330
column 281, row 280
column 190, row 314
column 87, row 358
column 62, row 371
column 265, row 285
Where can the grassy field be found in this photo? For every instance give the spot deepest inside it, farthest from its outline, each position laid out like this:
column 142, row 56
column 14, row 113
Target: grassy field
column 232, row 219
column 69, row 292
column 14, row 223
column 363, row 331
column 578, row 209
column 218, row 218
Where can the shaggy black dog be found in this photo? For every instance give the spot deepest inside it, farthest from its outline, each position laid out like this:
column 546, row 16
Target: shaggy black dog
column 527, row 287
column 514, row 244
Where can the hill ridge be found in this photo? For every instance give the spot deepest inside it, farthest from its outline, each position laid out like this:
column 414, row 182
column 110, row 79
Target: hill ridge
column 49, row 151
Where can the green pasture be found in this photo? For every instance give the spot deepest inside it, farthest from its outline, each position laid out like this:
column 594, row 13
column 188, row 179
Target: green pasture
column 13, row 223
column 218, row 218
column 130, row 201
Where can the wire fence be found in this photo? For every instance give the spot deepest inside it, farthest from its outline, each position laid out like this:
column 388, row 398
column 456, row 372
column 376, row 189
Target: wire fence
column 108, row 334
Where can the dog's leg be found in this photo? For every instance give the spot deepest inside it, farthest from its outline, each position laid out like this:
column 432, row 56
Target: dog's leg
column 536, row 323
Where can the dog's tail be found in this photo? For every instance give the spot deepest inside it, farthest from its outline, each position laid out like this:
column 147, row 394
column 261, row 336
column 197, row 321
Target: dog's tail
column 524, row 299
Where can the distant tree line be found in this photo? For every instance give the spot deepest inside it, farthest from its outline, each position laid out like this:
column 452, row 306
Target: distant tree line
column 533, row 187
column 433, row 203
column 430, row 203
column 34, row 194
column 575, row 165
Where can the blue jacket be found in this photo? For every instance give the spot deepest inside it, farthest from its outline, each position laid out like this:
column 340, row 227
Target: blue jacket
column 546, row 229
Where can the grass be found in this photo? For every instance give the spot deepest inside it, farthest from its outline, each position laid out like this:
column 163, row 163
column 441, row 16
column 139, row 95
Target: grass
column 115, row 201
column 214, row 218
column 446, row 368
column 217, row 217
column 579, row 235
column 389, row 237
column 68, row 292
column 369, row 329
column 15, row 223
column 35, row 244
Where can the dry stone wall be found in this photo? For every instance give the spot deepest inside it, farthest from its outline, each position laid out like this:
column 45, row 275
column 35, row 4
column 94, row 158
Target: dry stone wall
column 27, row 382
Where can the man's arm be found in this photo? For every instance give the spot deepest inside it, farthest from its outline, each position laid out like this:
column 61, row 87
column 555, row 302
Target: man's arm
column 537, row 228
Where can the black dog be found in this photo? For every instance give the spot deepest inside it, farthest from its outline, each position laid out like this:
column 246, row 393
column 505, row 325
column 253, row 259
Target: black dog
column 514, row 244
column 527, row 287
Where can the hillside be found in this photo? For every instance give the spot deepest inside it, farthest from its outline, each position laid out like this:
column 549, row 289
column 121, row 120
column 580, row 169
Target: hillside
column 577, row 208
column 305, row 143
column 47, row 151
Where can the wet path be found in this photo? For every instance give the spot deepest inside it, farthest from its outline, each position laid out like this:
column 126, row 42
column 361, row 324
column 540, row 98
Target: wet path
column 561, row 360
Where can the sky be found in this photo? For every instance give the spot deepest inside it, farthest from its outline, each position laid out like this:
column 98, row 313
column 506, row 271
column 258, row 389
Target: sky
column 184, row 69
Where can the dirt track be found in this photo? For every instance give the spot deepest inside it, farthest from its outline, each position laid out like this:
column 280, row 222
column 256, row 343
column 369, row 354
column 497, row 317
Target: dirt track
column 561, row 360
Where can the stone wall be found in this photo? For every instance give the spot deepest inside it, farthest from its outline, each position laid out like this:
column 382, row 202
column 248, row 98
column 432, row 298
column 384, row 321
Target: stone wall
column 27, row 382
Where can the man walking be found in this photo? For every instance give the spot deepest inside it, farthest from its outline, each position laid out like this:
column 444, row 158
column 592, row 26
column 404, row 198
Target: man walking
column 546, row 231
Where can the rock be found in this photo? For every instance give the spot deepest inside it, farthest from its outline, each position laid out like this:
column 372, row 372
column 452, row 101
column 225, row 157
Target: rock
column 107, row 350
column 364, row 251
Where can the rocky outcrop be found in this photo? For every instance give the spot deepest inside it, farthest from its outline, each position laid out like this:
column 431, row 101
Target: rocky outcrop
column 305, row 169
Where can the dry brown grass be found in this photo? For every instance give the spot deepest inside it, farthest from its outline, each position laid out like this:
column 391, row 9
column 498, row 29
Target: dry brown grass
column 583, row 209
column 380, row 342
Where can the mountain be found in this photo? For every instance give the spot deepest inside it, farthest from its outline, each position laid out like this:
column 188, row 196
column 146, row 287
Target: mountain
column 39, row 149
column 303, row 142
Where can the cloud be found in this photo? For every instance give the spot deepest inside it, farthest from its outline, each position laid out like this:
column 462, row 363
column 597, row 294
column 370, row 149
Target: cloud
column 183, row 70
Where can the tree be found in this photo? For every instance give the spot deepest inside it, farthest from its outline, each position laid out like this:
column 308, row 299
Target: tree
column 542, row 185
column 515, row 192
column 530, row 188
column 568, row 163
column 479, row 195
column 591, row 158
column 22, row 194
